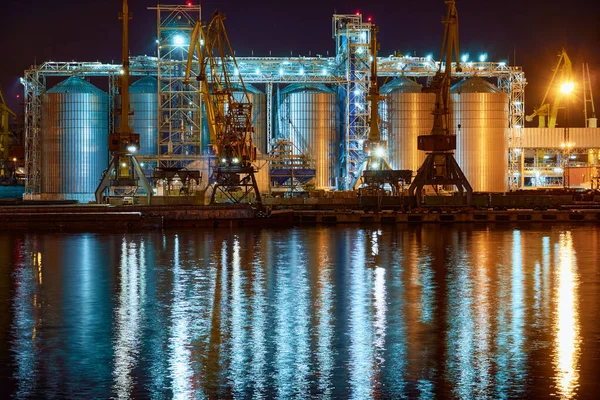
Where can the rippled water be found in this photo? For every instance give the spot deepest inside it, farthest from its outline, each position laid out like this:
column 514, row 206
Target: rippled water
column 431, row 311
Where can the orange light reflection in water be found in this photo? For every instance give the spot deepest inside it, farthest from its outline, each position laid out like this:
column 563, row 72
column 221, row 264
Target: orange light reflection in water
column 567, row 329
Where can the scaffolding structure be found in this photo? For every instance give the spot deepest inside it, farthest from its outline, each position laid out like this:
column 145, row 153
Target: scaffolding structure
column 180, row 105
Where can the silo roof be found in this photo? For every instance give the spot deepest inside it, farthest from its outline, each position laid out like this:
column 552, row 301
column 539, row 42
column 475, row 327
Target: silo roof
column 249, row 88
column 75, row 84
column 299, row 87
column 147, row 84
column 401, row 85
column 474, row 85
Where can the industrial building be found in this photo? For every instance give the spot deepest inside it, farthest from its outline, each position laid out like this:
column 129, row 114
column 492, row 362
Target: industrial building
column 317, row 104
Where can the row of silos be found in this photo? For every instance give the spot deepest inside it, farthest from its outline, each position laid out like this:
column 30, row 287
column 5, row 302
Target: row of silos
column 75, row 130
column 480, row 109
column 75, row 134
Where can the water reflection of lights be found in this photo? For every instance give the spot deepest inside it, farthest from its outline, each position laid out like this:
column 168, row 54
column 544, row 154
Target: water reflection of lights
column 325, row 327
column 567, row 341
column 361, row 349
column 127, row 321
column 238, row 364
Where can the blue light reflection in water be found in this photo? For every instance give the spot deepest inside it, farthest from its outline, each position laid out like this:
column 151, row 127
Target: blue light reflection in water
column 393, row 312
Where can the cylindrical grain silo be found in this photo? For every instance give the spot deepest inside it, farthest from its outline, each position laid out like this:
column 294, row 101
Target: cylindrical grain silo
column 144, row 103
column 481, row 109
column 308, row 117
column 74, row 139
column 406, row 113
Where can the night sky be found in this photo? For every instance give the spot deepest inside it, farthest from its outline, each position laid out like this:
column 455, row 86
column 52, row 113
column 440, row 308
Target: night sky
column 534, row 30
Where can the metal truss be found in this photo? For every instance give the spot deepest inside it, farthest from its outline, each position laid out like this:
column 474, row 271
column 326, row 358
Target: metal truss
column 35, row 85
column 353, row 61
column 514, row 84
column 179, row 104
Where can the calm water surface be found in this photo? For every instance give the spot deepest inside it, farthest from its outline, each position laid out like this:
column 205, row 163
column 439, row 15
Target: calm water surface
column 417, row 312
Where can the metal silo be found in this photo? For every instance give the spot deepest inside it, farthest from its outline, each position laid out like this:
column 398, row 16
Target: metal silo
column 143, row 97
column 482, row 141
column 406, row 114
column 74, row 139
column 308, row 117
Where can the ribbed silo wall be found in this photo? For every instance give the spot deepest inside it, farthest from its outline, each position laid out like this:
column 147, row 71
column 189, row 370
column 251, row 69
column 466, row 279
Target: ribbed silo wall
column 74, row 140
column 482, row 140
column 406, row 113
column 143, row 98
column 312, row 125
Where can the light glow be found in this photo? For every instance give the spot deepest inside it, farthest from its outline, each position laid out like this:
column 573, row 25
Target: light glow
column 567, row 87
column 178, row 40
column 379, row 151
column 464, row 57
column 131, row 149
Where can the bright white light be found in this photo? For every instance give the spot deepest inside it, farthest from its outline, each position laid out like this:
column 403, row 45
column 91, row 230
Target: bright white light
column 201, row 42
column 131, row 149
column 359, row 50
column 141, row 164
column 517, row 174
column 502, row 64
column 483, row 57
column 379, row 151
column 235, row 160
column 546, row 157
column 301, row 71
column 257, row 71
column 157, row 41
column 223, row 160
column 358, row 105
column 357, row 92
column 429, row 57
column 123, row 165
column 361, row 142
column 236, row 71
column 567, row 87
column 558, row 170
column 573, row 157
column 375, row 165
column 121, row 71
column 22, row 81
column 517, row 103
column 280, row 71
column 518, row 126
column 363, row 35
column 517, row 151
column 464, row 57
column 370, row 58
column 178, row 40
column 324, row 71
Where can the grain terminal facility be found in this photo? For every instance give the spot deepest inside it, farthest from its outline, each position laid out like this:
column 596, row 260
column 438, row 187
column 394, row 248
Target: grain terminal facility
column 310, row 118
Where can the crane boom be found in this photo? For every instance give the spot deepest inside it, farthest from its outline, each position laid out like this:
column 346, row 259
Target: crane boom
column 563, row 73
column 229, row 117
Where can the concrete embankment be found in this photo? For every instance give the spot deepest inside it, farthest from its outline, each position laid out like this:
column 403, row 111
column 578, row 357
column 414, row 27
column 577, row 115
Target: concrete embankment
column 100, row 217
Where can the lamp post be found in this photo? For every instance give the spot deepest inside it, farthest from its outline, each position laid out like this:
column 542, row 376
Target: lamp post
column 566, row 88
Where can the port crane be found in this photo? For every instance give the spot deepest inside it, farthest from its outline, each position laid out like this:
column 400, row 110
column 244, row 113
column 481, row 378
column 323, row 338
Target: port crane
column 563, row 76
column 376, row 172
column 440, row 166
column 124, row 174
column 229, row 118
column 6, row 165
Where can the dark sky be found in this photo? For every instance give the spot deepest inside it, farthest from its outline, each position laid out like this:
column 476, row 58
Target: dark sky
column 534, row 30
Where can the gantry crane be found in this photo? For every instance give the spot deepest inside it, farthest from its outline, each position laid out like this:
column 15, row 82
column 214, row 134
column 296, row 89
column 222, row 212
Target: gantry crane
column 124, row 175
column 229, row 118
column 440, row 167
column 560, row 85
column 6, row 165
column 588, row 98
